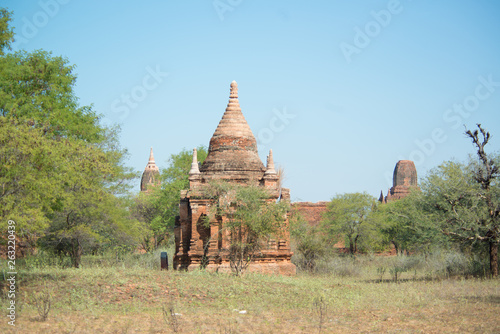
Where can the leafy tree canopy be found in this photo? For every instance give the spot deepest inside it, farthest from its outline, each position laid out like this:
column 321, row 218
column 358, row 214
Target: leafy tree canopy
column 464, row 199
column 60, row 168
column 348, row 216
column 406, row 225
column 158, row 207
column 6, row 32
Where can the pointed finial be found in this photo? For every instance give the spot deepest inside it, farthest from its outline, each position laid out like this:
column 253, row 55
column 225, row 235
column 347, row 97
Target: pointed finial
column 150, row 176
column 381, row 198
column 270, row 164
column 195, row 170
column 234, row 90
column 151, row 156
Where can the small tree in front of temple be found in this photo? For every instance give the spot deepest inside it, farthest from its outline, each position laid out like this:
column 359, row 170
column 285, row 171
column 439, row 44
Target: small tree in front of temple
column 310, row 243
column 251, row 220
column 158, row 207
column 348, row 216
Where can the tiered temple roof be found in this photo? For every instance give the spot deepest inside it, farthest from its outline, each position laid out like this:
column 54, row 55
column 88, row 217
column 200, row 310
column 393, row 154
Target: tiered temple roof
column 232, row 153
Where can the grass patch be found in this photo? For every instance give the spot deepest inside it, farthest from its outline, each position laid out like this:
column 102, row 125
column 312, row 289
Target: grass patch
column 130, row 297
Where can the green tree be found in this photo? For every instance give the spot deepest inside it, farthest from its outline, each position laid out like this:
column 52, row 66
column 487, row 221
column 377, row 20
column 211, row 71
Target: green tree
column 464, row 199
column 39, row 88
column 86, row 206
column 29, row 180
column 158, row 207
column 348, row 216
column 406, row 225
column 90, row 227
column 45, row 181
column 310, row 244
column 61, row 169
column 6, row 32
column 252, row 219
column 175, row 178
column 147, row 209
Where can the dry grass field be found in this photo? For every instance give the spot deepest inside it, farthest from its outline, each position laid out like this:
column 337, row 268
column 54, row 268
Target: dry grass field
column 124, row 299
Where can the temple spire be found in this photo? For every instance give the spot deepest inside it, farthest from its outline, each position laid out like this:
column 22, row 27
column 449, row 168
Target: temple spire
column 233, row 122
column 151, row 174
column 195, row 170
column 233, row 147
column 381, row 198
column 234, row 90
column 270, row 164
column 151, row 156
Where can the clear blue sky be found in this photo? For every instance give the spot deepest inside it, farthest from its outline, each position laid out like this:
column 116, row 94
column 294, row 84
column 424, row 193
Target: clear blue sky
column 365, row 84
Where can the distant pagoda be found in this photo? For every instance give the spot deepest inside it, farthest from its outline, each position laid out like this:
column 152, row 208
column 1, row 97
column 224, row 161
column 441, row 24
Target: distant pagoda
column 403, row 180
column 151, row 174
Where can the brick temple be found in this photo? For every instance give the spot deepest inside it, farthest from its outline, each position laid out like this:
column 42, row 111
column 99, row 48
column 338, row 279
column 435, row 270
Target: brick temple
column 233, row 157
column 403, row 180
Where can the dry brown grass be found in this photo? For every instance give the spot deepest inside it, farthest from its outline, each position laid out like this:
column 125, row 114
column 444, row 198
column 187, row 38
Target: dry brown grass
column 132, row 301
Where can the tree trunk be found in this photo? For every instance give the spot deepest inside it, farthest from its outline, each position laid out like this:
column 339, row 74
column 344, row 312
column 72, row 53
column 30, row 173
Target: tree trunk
column 494, row 258
column 395, row 246
column 76, row 255
column 351, row 246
